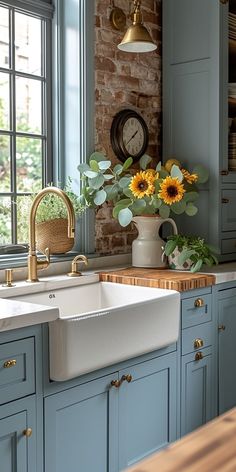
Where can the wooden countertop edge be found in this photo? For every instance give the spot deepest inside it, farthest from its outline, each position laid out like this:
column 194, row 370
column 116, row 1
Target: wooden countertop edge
column 210, row 448
column 188, row 283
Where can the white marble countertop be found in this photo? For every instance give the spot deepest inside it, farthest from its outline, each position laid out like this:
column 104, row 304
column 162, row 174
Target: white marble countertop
column 223, row 272
column 14, row 314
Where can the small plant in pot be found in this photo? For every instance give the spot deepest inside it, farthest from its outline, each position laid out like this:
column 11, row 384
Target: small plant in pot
column 189, row 253
column 51, row 220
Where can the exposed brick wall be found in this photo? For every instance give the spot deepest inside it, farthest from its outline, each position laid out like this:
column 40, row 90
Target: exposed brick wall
column 124, row 80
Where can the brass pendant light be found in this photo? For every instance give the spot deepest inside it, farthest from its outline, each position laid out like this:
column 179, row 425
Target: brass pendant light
column 137, row 37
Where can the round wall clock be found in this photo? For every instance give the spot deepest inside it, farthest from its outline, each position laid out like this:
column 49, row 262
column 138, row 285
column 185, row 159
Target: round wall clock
column 129, row 135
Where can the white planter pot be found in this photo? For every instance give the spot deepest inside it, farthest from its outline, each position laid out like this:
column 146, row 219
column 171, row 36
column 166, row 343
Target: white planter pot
column 174, row 263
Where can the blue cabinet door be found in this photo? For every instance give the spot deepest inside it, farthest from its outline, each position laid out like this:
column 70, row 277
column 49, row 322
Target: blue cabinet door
column 17, row 451
column 227, row 354
column 196, row 391
column 81, row 428
column 147, row 409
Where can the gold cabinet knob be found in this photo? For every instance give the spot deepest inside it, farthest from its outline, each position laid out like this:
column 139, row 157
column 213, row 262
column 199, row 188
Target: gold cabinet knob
column 198, row 343
column 28, row 432
column 198, row 356
column 125, row 378
column 9, row 363
column 199, row 302
column 221, row 327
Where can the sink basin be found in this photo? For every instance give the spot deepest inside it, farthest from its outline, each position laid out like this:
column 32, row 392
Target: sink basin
column 103, row 323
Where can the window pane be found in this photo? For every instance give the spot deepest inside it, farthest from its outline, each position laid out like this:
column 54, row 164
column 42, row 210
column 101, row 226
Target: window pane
column 5, row 220
column 5, row 175
column 28, row 105
column 4, row 101
column 4, row 37
column 23, row 210
column 28, row 164
column 27, row 43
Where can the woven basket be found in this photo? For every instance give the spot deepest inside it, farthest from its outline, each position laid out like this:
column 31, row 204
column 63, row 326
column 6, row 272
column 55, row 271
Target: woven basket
column 54, row 235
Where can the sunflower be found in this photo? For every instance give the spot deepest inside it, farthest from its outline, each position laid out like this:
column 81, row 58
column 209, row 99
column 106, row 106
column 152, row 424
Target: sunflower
column 171, row 190
column 190, row 178
column 151, row 175
column 141, row 185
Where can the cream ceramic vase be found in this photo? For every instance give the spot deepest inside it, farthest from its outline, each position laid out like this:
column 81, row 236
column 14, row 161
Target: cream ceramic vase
column 147, row 248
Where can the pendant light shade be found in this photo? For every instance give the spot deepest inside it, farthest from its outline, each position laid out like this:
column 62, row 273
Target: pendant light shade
column 137, row 37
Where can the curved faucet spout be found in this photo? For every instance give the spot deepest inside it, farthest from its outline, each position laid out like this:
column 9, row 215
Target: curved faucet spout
column 33, row 263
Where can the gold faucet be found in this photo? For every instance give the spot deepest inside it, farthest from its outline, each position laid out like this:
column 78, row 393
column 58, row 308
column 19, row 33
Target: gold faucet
column 74, row 272
column 33, row 263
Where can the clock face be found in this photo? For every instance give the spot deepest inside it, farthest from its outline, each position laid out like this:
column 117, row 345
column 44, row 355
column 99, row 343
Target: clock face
column 129, row 135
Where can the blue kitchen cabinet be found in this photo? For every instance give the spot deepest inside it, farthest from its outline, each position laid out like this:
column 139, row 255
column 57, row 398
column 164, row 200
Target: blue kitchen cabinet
column 227, row 349
column 147, row 408
column 109, row 423
column 18, row 436
column 81, row 428
column 195, row 112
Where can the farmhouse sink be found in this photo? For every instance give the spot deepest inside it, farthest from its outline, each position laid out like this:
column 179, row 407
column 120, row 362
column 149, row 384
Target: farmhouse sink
column 103, row 323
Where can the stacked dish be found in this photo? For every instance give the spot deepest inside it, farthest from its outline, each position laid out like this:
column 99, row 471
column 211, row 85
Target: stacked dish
column 232, row 90
column 232, row 25
column 232, row 151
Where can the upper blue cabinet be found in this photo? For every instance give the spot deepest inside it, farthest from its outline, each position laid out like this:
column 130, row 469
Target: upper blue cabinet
column 196, row 109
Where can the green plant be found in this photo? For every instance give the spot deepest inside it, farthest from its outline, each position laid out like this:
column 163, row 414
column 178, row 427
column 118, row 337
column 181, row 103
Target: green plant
column 51, row 207
column 191, row 248
column 148, row 191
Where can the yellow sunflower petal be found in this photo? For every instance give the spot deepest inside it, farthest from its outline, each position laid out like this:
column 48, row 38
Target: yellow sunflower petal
column 141, row 185
column 190, row 178
column 171, row 190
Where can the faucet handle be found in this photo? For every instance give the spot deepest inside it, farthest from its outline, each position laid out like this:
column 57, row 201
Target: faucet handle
column 74, row 272
column 41, row 265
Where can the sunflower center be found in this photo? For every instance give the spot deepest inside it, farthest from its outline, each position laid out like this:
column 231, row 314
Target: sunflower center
column 172, row 191
column 143, row 185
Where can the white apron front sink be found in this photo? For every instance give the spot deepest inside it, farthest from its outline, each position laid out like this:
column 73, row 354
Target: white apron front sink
column 104, row 323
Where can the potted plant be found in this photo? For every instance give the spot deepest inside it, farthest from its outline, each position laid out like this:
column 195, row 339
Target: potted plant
column 51, row 220
column 189, row 253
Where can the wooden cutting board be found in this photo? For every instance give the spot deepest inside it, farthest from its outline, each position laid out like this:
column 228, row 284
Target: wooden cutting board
column 208, row 449
column 170, row 279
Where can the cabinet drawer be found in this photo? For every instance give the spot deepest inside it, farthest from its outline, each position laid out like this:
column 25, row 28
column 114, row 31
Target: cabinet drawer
column 228, row 210
column 228, row 246
column 196, row 310
column 197, row 337
column 17, row 377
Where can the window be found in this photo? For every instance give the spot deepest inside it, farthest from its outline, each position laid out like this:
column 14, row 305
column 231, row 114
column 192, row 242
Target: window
column 25, row 111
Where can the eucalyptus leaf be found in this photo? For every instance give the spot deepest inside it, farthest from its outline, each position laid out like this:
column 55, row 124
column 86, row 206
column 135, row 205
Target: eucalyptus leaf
column 138, row 206
column 163, row 173
column 100, row 197
column 202, row 172
column 144, row 161
column 176, row 173
column 118, row 169
column 190, row 196
column 156, row 201
column 191, row 209
column 97, row 156
column 164, row 211
column 157, row 184
column 124, row 182
column 125, row 217
column 127, row 163
column 104, row 165
column 94, row 165
column 83, row 167
column 111, row 191
column 90, row 174
column 127, row 192
column 97, row 182
column 108, row 176
column 158, row 167
column 179, row 207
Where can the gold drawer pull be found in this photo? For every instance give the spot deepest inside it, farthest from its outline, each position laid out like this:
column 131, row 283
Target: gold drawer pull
column 225, row 200
column 28, row 432
column 199, row 302
column 198, row 343
column 9, row 363
column 125, row 378
column 221, row 327
column 198, row 356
